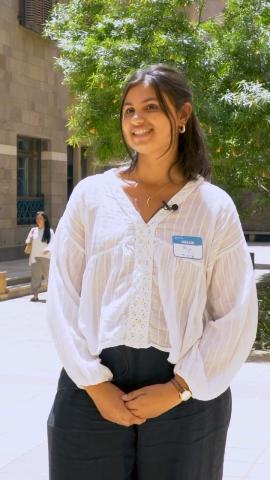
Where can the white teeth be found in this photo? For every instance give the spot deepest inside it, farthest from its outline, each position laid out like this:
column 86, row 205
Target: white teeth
column 140, row 131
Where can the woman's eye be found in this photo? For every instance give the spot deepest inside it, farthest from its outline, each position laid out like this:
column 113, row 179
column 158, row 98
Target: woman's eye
column 152, row 106
column 128, row 111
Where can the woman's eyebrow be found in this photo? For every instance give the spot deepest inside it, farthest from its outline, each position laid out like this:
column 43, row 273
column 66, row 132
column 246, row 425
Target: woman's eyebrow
column 144, row 101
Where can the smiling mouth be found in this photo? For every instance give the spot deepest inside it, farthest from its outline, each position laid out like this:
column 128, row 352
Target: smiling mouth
column 141, row 131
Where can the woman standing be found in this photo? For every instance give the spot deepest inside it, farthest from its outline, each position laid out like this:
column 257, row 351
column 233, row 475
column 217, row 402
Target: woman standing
column 40, row 238
column 152, row 303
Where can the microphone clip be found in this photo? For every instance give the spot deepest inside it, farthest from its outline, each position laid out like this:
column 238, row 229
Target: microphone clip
column 172, row 208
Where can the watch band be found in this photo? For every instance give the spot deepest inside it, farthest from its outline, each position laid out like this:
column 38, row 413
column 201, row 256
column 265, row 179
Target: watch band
column 184, row 392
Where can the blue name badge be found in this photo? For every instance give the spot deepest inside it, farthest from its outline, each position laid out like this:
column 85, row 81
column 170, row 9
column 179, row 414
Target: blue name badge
column 188, row 247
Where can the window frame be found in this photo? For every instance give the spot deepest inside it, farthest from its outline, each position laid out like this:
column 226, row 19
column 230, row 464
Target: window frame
column 32, row 199
column 34, row 13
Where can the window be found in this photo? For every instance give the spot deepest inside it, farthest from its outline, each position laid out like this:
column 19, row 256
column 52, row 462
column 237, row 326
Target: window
column 30, row 199
column 34, row 13
column 29, row 167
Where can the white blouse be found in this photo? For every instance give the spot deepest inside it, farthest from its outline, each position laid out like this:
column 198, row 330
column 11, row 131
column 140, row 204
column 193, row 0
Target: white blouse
column 39, row 248
column 183, row 283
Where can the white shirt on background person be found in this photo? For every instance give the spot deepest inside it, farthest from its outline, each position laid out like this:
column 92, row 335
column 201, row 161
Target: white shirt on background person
column 39, row 248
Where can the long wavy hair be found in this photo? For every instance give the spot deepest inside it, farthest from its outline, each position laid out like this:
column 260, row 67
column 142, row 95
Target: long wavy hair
column 192, row 158
column 46, row 237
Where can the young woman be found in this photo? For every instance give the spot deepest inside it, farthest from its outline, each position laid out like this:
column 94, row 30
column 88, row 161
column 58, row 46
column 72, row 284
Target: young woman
column 40, row 238
column 152, row 303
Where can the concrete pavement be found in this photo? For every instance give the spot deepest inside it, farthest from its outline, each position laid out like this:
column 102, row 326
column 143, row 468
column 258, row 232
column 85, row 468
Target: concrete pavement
column 262, row 254
column 29, row 368
column 28, row 372
column 18, row 275
column 16, row 268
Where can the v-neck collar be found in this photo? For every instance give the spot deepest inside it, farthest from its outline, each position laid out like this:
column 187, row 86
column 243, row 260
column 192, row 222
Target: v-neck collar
column 127, row 205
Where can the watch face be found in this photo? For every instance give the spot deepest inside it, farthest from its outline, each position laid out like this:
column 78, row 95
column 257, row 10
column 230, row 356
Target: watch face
column 186, row 395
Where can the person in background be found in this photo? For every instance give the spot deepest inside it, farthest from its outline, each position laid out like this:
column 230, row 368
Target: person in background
column 39, row 260
column 151, row 303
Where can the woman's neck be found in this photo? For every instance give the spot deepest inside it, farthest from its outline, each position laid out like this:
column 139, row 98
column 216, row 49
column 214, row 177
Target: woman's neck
column 156, row 172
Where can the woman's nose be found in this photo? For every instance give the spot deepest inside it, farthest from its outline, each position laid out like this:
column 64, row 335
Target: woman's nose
column 137, row 117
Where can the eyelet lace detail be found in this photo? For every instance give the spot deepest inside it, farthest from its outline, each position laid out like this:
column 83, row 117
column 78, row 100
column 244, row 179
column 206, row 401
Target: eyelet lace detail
column 139, row 310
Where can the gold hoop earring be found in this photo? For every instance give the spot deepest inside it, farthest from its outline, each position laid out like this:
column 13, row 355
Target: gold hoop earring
column 182, row 128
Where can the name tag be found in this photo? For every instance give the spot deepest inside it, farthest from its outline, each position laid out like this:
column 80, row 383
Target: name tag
column 188, row 247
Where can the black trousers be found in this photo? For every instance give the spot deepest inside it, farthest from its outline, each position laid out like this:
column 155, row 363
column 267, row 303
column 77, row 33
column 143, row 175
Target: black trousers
column 185, row 443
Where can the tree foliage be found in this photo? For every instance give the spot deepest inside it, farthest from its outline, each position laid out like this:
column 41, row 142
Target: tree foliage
column 226, row 61
column 238, row 95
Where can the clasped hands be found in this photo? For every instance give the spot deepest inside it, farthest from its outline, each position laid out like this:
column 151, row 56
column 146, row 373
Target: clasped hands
column 152, row 401
column 135, row 407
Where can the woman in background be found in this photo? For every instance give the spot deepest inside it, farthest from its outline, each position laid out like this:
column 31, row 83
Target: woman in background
column 40, row 237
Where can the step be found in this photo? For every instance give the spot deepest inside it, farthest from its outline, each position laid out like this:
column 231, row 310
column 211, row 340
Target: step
column 18, row 280
column 21, row 290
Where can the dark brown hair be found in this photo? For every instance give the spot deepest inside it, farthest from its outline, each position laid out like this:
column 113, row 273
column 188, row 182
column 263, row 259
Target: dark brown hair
column 192, row 156
column 47, row 229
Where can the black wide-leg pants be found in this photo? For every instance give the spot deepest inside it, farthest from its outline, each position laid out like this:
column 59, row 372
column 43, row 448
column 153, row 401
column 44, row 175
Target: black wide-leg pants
column 185, row 443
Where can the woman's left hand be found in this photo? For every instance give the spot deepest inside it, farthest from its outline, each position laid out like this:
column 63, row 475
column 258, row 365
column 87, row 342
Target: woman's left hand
column 152, row 401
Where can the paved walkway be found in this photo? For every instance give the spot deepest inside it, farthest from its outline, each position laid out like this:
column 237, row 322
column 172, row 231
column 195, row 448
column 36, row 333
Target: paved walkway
column 29, row 369
column 262, row 254
column 16, row 268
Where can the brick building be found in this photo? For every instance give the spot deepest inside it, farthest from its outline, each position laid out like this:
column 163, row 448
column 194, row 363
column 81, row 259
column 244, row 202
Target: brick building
column 37, row 169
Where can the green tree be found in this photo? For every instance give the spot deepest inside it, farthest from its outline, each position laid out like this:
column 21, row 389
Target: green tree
column 226, row 61
column 238, row 96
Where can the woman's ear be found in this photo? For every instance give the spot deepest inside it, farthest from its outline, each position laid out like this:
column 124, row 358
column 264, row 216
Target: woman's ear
column 184, row 114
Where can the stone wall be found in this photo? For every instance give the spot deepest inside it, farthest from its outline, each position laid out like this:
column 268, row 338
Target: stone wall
column 32, row 103
column 212, row 9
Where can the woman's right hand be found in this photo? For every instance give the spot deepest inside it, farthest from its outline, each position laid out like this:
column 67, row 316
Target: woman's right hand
column 107, row 398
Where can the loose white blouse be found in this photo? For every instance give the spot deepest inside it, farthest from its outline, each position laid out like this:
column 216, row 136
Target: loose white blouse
column 39, row 248
column 183, row 283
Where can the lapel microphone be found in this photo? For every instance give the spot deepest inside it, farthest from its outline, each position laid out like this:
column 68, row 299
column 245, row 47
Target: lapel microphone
column 173, row 208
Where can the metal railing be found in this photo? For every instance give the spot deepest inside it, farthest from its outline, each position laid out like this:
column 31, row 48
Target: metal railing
column 27, row 207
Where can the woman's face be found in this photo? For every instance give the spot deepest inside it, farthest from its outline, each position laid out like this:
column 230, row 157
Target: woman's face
column 145, row 126
column 40, row 221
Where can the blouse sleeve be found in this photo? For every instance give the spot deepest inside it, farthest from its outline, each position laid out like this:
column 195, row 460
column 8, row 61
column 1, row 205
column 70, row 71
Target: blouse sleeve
column 230, row 315
column 64, row 288
column 52, row 236
column 29, row 236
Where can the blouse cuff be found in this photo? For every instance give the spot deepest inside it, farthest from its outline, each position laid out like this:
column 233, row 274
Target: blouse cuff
column 194, row 377
column 98, row 373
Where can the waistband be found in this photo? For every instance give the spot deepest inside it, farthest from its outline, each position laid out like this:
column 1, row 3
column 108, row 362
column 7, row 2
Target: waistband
column 132, row 368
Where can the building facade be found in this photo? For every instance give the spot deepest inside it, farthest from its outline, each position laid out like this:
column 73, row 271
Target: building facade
column 33, row 152
column 37, row 168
